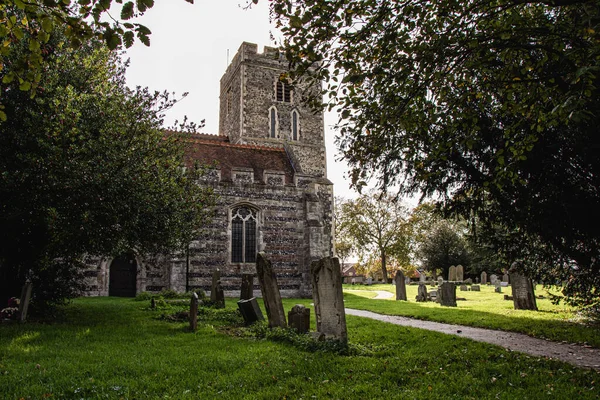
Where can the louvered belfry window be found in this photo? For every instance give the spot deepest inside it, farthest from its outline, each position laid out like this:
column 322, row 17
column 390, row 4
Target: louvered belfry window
column 243, row 235
column 283, row 92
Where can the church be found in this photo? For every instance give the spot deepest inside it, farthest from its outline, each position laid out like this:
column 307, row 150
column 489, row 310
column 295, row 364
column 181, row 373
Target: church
column 268, row 169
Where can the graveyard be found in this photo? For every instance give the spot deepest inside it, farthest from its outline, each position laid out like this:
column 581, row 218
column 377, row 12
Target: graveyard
column 119, row 348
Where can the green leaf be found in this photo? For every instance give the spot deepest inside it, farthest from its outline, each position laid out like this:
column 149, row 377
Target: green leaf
column 127, row 10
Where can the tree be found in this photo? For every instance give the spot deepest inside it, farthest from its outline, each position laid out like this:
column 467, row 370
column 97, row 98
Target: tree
column 85, row 168
column 378, row 224
column 491, row 105
column 443, row 247
column 36, row 21
column 343, row 243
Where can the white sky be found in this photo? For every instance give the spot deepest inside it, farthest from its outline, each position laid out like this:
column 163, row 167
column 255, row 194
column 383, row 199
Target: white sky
column 188, row 53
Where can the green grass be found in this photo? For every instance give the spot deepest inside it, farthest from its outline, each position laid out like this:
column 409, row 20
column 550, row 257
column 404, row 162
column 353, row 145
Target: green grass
column 109, row 348
column 485, row 309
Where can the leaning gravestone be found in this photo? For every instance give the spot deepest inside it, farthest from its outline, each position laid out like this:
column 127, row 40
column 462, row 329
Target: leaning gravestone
column 400, row 286
column 194, row 312
column 270, row 292
column 452, row 274
column 475, row 288
column 247, row 289
column 24, row 301
column 299, row 318
column 522, row 290
column 422, row 293
column 460, row 273
column 329, row 298
column 250, row 311
column 447, row 294
column 484, row 278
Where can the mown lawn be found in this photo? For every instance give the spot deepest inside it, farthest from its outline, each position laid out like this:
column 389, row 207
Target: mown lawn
column 485, row 309
column 111, row 348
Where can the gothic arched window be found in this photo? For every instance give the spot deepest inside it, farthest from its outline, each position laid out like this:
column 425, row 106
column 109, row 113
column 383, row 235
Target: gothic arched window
column 243, row 235
column 273, row 123
column 295, row 128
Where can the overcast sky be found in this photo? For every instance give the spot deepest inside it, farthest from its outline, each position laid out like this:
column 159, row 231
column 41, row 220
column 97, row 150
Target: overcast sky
column 189, row 53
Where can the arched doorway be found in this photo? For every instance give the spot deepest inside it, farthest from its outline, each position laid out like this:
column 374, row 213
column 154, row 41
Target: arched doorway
column 123, row 274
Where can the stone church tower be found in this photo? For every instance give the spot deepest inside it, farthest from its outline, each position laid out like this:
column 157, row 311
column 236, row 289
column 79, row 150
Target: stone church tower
column 269, row 172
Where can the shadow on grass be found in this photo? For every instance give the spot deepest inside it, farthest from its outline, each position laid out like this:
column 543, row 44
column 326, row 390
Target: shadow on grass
column 519, row 321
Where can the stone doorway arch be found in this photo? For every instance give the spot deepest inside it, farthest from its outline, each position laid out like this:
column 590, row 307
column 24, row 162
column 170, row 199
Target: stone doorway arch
column 123, row 276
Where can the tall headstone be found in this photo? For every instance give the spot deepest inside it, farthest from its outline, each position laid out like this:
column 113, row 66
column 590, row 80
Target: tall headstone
column 452, row 274
column 484, row 278
column 250, row 311
column 400, row 281
column 270, row 292
column 216, row 277
column 447, row 294
column 460, row 274
column 505, row 278
column 247, row 289
column 299, row 318
column 522, row 290
column 24, row 301
column 219, row 298
column 493, row 279
column 421, row 293
column 194, row 312
column 329, row 298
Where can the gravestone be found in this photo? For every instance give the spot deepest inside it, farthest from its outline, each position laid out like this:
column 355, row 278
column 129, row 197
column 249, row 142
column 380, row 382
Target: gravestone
column 484, row 278
column 216, row 277
column 270, row 292
column 452, row 274
column 422, row 293
column 522, row 290
column 493, row 279
column 505, row 278
column 194, row 312
column 217, row 296
column 498, row 289
column 447, row 294
column 24, row 301
column 369, row 281
column 407, row 280
column 421, row 277
column 464, row 288
column 468, row 281
column 433, row 295
column 247, row 289
column 329, row 298
column 299, row 318
column 475, row 288
column 460, row 274
column 440, row 281
column 504, row 284
column 250, row 311
column 400, row 286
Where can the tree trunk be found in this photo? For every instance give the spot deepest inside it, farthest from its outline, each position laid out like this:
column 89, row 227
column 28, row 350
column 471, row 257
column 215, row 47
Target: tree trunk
column 384, row 267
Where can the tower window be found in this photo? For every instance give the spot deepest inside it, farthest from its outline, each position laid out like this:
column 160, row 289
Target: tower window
column 228, row 99
column 283, row 92
column 295, row 127
column 243, row 235
column 273, row 123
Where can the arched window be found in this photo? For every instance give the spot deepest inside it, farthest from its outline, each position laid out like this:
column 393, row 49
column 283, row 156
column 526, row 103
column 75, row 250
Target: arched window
column 243, row 235
column 295, row 128
column 273, row 123
column 283, row 92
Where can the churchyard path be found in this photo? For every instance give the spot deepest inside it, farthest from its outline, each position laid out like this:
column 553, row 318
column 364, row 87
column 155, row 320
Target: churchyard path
column 578, row 355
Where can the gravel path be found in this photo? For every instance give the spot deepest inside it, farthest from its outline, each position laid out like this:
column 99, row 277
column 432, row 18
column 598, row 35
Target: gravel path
column 581, row 356
column 383, row 295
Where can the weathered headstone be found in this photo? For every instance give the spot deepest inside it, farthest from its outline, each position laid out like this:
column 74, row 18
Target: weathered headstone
column 498, row 289
column 447, row 294
column 433, row 295
column 194, row 312
column 217, row 296
column 484, row 278
column 369, row 281
column 440, row 281
column 24, row 301
column 216, row 277
column 270, row 292
column 464, row 288
column 422, row 293
column 505, row 278
column 247, row 289
column 460, row 275
column 468, row 281
column 452, row 274
column 329, row 298
column 493, row 279
column 250, row 311
column 400, row 286
column 522, row 290
column 299, row 318
column 475, row 288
